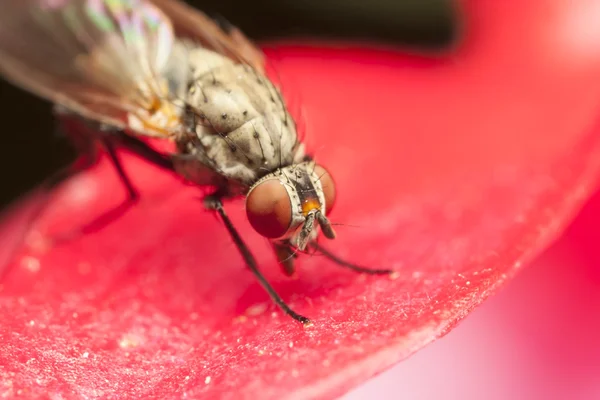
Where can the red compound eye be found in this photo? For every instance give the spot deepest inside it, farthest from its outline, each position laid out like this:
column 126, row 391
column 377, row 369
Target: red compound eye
column 328, row 187
column 269, row 209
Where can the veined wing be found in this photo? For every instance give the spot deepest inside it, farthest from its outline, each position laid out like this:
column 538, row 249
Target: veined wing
column 194, row 24
column 99, row 58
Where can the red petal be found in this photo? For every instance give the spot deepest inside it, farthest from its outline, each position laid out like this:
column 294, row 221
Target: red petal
column 456, row 171
column 538, row 339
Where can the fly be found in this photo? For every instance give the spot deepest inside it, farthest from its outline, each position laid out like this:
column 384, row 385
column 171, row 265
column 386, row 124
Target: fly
column 121, row 70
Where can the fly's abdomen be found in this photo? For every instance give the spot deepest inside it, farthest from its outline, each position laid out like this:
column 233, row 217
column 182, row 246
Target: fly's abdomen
column 240, row 120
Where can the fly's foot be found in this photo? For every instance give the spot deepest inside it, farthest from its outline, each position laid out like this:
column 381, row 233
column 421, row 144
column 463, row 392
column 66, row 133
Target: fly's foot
column 212, row 202
column 351, row 266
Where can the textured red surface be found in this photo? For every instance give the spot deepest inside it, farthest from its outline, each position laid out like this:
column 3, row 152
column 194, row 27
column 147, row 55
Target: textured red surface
column 454, row 171
column 536, row 339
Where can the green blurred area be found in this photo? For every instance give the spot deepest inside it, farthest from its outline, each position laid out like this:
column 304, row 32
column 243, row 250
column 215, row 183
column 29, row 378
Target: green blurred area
column 30, row 151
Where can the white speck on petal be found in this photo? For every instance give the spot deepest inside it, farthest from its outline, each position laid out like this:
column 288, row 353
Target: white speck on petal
column 32, row 264
column 256, row 309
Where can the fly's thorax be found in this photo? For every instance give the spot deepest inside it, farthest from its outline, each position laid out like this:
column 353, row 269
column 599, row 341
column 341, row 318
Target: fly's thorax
column 292, row 203
column 237, row 119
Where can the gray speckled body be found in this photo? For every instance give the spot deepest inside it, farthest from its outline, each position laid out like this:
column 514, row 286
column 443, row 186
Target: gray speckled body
column 236, row 123
column 237, row 132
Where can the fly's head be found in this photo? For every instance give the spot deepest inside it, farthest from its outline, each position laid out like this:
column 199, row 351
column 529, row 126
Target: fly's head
column 290, row 204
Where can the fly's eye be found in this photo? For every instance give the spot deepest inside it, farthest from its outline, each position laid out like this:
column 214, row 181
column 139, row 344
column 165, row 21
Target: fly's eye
column 328, row 186
column 269, row 209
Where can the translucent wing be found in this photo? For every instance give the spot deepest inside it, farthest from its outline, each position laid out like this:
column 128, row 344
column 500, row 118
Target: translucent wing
column 99, row 58
column 192, row 23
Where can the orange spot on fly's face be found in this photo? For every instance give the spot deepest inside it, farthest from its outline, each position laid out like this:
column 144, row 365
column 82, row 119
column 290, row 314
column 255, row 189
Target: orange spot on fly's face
column 310, row 204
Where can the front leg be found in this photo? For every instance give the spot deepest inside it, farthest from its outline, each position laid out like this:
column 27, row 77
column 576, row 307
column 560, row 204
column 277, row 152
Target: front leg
column 286, row 256
column 214, row 203
column 346, row 264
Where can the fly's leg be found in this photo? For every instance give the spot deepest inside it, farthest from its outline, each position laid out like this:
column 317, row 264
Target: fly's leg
column 286, row 256
column 109, row 216
column 347, row 264
column 116, row 162
column 214, row 203
column 85, row 144
column 111, row 139
column 121, row 139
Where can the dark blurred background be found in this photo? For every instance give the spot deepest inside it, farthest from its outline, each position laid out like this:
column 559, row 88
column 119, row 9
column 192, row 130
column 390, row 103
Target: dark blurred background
column 30, row 151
